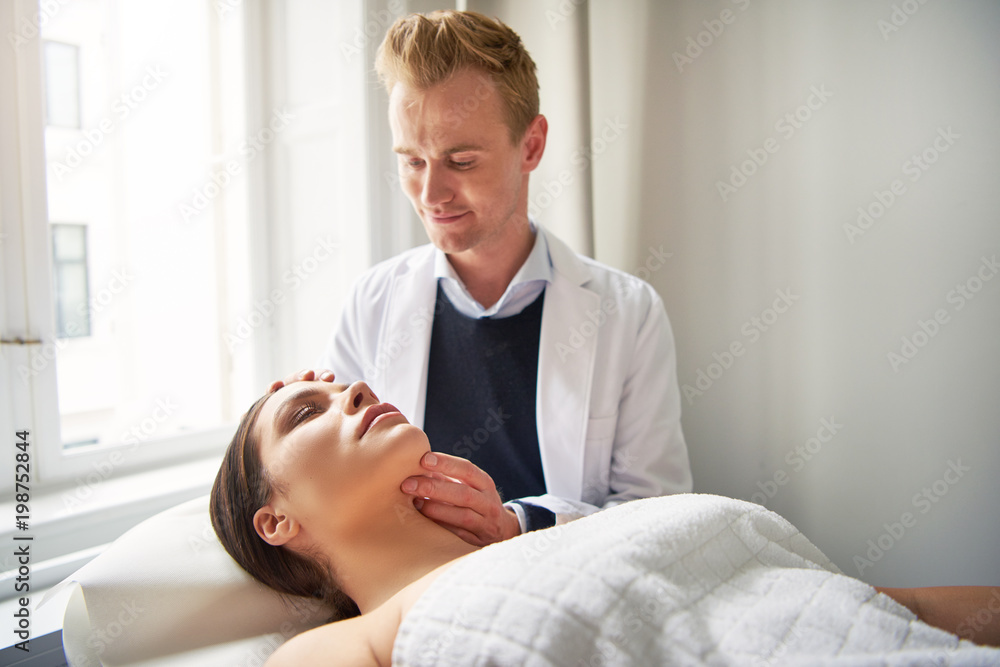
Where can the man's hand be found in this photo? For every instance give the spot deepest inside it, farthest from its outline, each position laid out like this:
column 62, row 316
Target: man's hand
column 457, row 495
column 325, row 376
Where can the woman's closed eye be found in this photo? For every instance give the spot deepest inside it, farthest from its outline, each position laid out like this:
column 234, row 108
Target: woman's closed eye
column 304, row 412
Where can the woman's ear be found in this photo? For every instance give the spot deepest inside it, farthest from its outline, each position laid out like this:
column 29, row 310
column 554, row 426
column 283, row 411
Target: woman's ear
column 274, row 527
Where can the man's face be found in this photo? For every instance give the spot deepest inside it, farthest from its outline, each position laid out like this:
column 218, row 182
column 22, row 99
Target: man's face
column 466, row 179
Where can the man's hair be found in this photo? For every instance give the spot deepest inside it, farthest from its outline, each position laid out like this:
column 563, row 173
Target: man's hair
column 422, row 51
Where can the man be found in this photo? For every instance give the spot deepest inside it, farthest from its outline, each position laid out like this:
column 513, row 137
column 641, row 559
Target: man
column 532, row 369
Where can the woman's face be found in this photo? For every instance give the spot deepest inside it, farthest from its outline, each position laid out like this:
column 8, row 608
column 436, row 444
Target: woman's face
column 334, row 453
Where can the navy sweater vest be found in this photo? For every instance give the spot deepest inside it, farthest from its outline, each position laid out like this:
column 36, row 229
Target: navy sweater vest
column 481, row 385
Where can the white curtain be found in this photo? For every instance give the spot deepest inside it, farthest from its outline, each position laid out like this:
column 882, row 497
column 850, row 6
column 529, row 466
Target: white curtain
column 840, row 365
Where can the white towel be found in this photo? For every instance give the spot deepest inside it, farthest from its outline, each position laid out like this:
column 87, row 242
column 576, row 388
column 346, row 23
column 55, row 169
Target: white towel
column 683, row 580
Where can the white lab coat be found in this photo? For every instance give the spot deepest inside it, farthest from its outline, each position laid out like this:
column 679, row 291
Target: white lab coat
column 608, row 404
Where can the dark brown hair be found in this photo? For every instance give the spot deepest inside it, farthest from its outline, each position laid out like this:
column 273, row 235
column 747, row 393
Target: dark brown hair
column 241, row 488
column 423, row 51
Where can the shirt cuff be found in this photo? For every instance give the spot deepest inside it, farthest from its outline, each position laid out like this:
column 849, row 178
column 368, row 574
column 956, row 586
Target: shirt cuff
column 532, row 517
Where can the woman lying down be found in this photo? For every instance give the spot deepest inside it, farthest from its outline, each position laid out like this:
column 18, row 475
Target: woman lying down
column 308, row 502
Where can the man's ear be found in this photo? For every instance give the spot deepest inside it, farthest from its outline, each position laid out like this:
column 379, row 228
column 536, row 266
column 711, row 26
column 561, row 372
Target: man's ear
column 274, row 527
column 533, row 143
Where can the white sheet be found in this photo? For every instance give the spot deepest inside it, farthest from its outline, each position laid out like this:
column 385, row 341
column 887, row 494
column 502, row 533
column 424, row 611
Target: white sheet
column 683, row 580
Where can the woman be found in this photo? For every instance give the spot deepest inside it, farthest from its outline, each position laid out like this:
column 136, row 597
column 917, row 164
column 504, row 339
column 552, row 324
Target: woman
column 308, row 501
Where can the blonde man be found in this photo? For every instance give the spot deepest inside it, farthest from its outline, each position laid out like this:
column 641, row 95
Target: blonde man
column 539, row 375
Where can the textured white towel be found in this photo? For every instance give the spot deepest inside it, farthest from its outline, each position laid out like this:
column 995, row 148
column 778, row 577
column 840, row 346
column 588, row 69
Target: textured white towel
column 684, row 580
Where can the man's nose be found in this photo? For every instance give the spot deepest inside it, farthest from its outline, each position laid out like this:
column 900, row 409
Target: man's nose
column 437, row 188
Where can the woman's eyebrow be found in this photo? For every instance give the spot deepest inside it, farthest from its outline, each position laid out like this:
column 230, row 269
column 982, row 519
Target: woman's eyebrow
column 282, row 416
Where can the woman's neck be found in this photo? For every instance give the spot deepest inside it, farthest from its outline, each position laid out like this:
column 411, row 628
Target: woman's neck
column 387, row 556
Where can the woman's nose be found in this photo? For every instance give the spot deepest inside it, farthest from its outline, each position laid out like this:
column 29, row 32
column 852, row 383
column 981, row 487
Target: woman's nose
column 357, row 396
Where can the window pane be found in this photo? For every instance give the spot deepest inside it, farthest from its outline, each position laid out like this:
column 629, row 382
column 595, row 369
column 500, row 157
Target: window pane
column 69, row 243
column 62, row 84
column 69, row 268
column 166, row 260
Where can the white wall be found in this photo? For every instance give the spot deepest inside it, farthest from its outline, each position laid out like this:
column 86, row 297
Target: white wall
column 318, row 235
column 889, row 95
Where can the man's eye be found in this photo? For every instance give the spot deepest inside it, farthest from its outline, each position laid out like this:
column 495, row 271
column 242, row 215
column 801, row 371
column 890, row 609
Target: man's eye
column 414, row 163
column 462, row 165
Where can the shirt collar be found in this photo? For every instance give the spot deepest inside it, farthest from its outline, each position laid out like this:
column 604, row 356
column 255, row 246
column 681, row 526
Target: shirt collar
column 538, row 266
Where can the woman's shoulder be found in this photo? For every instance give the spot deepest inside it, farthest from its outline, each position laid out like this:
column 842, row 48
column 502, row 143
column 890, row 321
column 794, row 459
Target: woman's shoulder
column 347, row 642
column 363, row 640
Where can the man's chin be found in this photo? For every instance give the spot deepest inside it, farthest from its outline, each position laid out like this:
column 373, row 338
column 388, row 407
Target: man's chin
column 451, row 244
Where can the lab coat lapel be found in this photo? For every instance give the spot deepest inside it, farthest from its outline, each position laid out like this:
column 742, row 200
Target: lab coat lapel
column 565, row 371
column 406, row 338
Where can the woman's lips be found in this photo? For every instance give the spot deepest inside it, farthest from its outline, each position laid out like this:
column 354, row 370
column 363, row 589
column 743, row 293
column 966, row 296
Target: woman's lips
column 373, row 414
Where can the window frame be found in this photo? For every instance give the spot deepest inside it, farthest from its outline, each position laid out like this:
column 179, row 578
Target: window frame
column 29, row 398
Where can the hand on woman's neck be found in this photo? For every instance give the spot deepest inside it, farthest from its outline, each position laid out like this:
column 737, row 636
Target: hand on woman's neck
column 386, row 555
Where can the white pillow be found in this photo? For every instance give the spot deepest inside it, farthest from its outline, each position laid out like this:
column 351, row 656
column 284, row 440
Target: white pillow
column 167, row 593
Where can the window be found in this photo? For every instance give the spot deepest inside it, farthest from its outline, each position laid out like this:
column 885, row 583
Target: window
column 125, row 238
column 69, row 280
column 184, row 207
column 133, row 146
column 62, row 84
